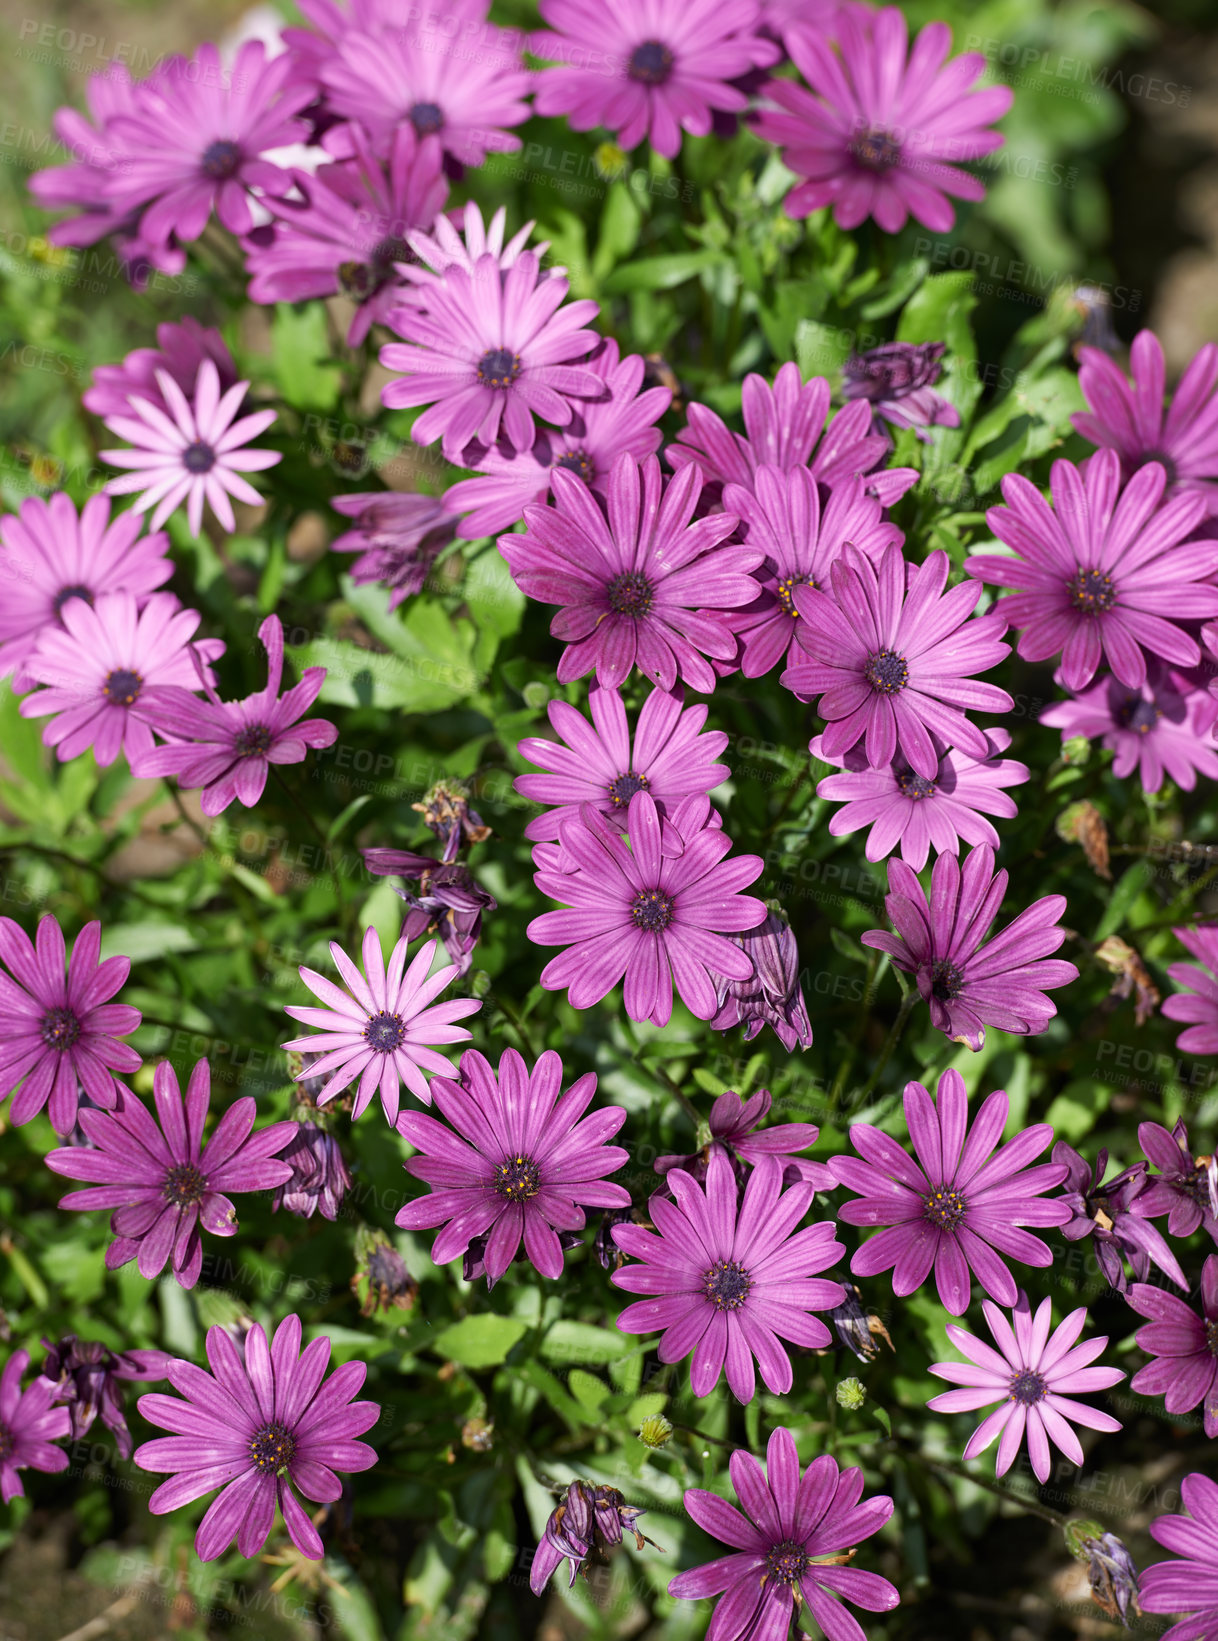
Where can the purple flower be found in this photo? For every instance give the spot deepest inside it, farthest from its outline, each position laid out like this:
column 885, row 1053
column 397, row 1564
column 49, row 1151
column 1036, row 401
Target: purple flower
column 656, row 912
column 89, row 1379
column 772, row 995
column 940, row 940
column 383, row 1028
column 194, row 452
column 782, row 513
column 1161, row 728
column 875, row 134
column 1198, row 1002
column 399, row 535
column 907, row 810
column 450, row 901
column 1112, row 1575
column 897, row 379
column 447, row 245
column 515, row 1163
column 446, row 812
column 488, row 353
column 107, row 668
column 1188, row 1586
column 29, row 1427
column 161, row 1181
column 783, row 425
column 181, row 349
column 258, row 1425
column 227, row 747
column 668, row 755
column 733, row 1124
column 1103, row 573
column 787, row 1547
column 893, row 663
column 727, row 1280
column 1185, row 1369
column 645, row 584
column 961, row 1210
column 61, row 1037
column 1182, row 1188
column 648, row 68
column 1111, row 1212
column 589, row 1521
column 1035, row 1376
column 1129, row 417
column 600, row 430
column 319, row 1178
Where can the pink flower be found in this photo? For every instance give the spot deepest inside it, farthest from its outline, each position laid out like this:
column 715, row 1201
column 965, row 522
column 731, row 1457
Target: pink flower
column 1161, row 729
column 181, row 349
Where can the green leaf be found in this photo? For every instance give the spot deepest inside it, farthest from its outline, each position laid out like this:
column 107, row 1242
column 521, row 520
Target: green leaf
column 820, row 350
column 621, row 220
column 661, row 273
column 300, row 348
column 1129, row 887
column 480, row 1341
column 581, row 1342
column 589, row 1391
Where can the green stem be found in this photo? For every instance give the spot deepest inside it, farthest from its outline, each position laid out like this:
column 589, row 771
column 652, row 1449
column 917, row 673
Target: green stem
column 689, row 1430
column 1032, row 1506
column 46, row 853
column 302, row 808
column 876, row 962
column 895, row 1034
column 517, row 1025
column 686, row 1104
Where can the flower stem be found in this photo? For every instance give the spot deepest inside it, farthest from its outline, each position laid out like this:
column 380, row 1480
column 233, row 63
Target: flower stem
column 302, row 808
column 946, row 1467
column 517, row 1024
column 895, row 1034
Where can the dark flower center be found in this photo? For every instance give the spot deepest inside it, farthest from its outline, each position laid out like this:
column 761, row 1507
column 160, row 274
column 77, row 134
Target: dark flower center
column 886, row 672
column 198, row 457
column 623, row 787
column 944, row 1208
column 786, row 591
column 8, row 1443
column 1138, row 714
column 788, row 1562
column 652, row 910
column 498, row 367
column 364, row 279
column 727, row 1284
column 221, row 159
column 629, row 594
column 1197, row 1184
column 651, row 63
column 1211, row 1336
column 60, row 1029
column 427, row 118
column 1028, row 1388
column 184, row 1185
column 273, row 1447
column 876, row 149
column 946, row 981
column 385, row 1032
column 122, row 687
column 254, row 741
column 578, row 461
column 517, row 1178
column 74, row 591
column 915, row 786
column 1091, row 592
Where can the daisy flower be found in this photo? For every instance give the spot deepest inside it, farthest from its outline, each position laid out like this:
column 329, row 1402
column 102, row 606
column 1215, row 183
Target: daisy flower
column 398, row 535
column 62, row 1033
column 384, row 1027
column 1035, row 1376
column 446, row 245
column 258, row 1426
column 884, row 128
column 52, row 555
column 1110, row 1212
column 892, row 660
column 648, row 68
column 1103, row 574
column 1161, row 729
column 898, row 380
column 641, row 582
column 1198, row 1001
column 1184, row 1370
column 193, row 454
column 181, row 348
column 729, row 1279
column 1181, row 1188
column 89, row 1379
column 941, row 941
column 516, row 1162
column 1189, row 1585
column 29, row 1427
column 772, row 995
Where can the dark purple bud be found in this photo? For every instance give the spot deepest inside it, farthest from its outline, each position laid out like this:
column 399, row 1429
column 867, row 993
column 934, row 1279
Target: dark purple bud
column 772, row 995
column 893, row 370
column 89, row 1378
column 1113, row 1577
column 319, row 1175
column 383, row 1270
column 473, row 1261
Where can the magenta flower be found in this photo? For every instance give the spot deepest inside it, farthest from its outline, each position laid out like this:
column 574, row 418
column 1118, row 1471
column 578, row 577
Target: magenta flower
column 781, row 512
column 648, row 68
column 642, row 583
column 1130, row 418
column 516, row 1162
column 1198, row 1001
column 656, row 912
column 398, row 535
column 604, row 764
column 181, row 349
column 62, row 1033
column 260, row 1424
column 1181, row 1189
column 728, row 1281
column 783, row 426
column 1110, row 1212
column 107, row 668
column 915, row 814
column 1185, row 1369
column 1190, row 1585
column 193, row 454
column 384, row 1028
column 227, row 747
column 52, row 556
column 600, row 430
column 941, row 941
column 163, row 1183
column 960, row 1207
column 898, row 380
column 29, row 1427
column 490, row 351
column 772, row 994
column 1035, row 1376
column 893, row 660
column 446, row 245
column 89, row 1379
column 734, row 1131
column 194, row 141
column 884, row 129
column 1160, row 729
column 792, row 1544
column 1102, row 575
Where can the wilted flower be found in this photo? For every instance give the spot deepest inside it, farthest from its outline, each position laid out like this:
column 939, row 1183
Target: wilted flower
column 319, row 1175
column 898, row 381
column 446, row 812
column 772, row 995
column 89, row 1378
column 1110, row 1568
column 473, row 1261
column 582, row 1528
column 398, row 535
column 1111, row 1212
column 450, row 901
column 383, row 1275
column 855, row 1328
